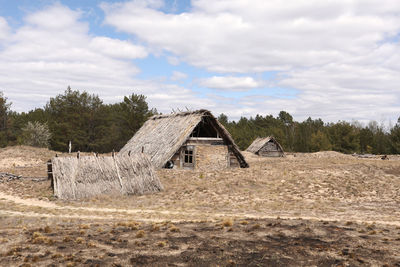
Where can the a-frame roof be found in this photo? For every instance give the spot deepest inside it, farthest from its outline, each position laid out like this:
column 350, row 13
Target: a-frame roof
column 260, row 142
column 161, row 136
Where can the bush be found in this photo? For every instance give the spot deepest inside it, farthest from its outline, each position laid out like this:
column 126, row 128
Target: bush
column 36, row 134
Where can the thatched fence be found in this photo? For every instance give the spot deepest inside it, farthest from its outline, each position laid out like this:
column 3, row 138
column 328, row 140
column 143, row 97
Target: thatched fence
column 87, row 176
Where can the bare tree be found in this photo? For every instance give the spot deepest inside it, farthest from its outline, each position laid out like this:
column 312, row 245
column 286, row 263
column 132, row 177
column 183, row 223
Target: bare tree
column 36, row 134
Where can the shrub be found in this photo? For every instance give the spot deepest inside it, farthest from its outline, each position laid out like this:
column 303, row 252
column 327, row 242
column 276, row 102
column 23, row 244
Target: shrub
column 36, row 134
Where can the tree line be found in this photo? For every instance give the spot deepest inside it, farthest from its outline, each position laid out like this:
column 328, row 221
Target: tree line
column 81, row 118
column 91, row 125
column 314, row 135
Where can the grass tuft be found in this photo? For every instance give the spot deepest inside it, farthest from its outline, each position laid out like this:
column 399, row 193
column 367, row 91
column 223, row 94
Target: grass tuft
column 84, row 226
column 174, row 229
column 161, row 244
column 67, row 238
column 79, row 240
column 140, row 234
column 227, row 222
column 155, row 227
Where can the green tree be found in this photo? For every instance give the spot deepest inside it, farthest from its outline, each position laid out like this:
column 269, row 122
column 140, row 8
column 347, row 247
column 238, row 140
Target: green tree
column 366, row 140
column 289, row 128
column 344, row 137
column 320, row 142
column 380, row 141
column 395, row 138
column 304, row 132
column 223, row 119
column 4, row 120
column 75, row 117
column 127, row 117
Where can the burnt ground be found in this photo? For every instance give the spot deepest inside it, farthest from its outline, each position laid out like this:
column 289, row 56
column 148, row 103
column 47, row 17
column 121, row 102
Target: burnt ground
column 268, row 242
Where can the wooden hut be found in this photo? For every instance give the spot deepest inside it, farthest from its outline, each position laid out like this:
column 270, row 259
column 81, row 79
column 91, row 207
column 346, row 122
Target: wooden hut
column 266, row 147
column 87, row 176
column 186, row 140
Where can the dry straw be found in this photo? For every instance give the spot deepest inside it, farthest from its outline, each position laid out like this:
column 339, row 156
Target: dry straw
column 87, row 176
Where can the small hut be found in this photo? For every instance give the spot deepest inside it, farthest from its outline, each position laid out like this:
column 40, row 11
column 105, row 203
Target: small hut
column 186, row 140
column 266, row 147
column 87, row 176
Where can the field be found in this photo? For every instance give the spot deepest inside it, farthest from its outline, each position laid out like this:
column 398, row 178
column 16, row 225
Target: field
column 319, row 209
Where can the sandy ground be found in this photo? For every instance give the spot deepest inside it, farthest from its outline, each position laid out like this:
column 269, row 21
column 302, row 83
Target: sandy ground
column 318, row 209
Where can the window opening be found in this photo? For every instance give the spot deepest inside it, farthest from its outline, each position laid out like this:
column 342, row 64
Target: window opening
column 188, row 156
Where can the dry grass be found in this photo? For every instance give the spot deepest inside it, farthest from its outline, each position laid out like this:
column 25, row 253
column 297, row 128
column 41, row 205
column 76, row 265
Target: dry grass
column 283, row 242
column 227, row 222
column 331, row 184
column 79, row 240
column 173, row 229
column 140, row 234
column 161, row 244
column 229, row 210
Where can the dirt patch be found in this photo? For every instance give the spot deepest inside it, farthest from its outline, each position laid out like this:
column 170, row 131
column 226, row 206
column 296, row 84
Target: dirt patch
column 393, row 171
column 322, row 155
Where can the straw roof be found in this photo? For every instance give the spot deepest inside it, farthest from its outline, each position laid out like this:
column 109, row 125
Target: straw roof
column 88, row 176
column 162, row 136
column 260, row 142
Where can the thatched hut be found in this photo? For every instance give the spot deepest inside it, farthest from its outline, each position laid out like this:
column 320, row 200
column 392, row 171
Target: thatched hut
column 186, row 140
column 87, row 176
column 266, row 147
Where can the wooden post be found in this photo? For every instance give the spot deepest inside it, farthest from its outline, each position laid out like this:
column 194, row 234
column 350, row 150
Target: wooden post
column 50, row 173
column 78, row 154
column 49, row 169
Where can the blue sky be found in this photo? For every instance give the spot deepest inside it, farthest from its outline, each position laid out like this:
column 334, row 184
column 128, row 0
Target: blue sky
column 330, row 60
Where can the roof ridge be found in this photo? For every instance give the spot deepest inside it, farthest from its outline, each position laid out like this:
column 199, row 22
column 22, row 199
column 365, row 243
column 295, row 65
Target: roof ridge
column 177, row 114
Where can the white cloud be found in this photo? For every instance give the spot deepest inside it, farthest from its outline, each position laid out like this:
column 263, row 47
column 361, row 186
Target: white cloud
column 41, row 60
column 177, row 75
column 230, row 83
column 4, row 29
column 117, row 48
column 343, row 57
column 55, row 18
column 234, row 36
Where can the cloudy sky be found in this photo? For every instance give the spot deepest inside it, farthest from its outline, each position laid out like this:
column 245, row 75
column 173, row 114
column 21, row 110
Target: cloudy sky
column 335, row 60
